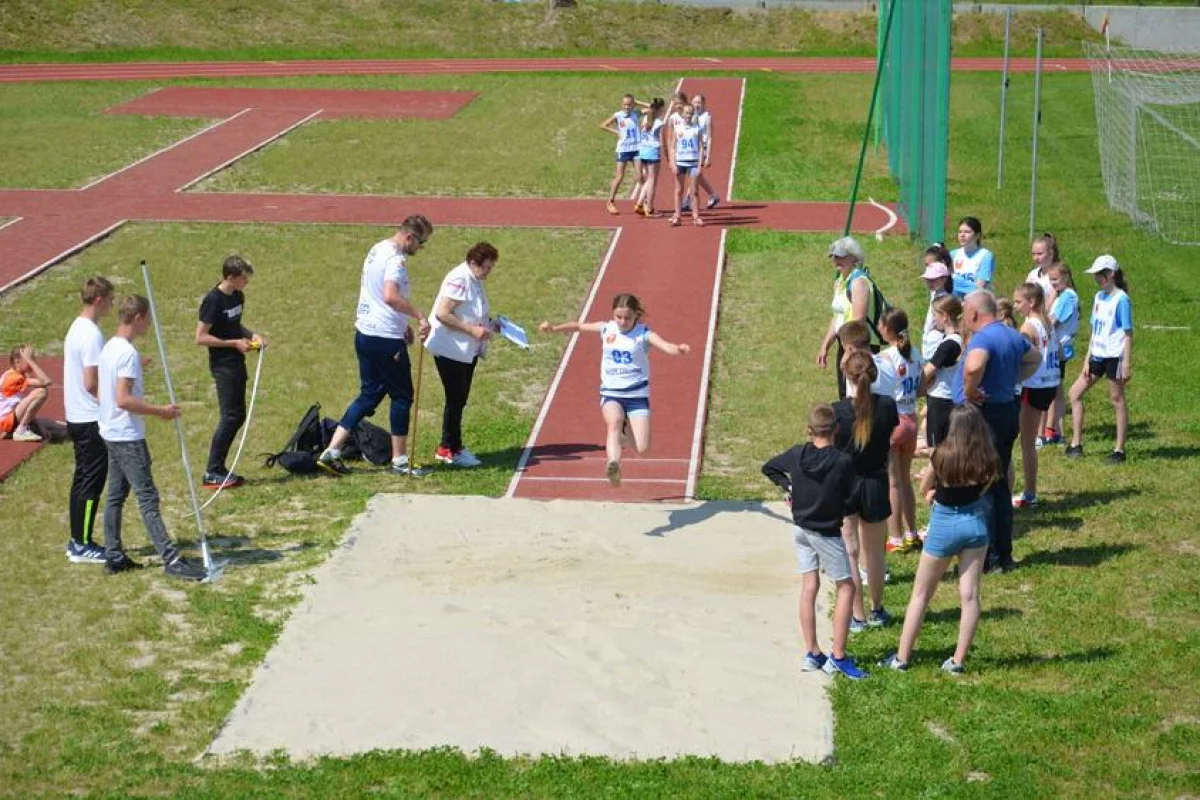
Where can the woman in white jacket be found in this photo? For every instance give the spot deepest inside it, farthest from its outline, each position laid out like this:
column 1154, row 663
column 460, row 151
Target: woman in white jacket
column 460, row 327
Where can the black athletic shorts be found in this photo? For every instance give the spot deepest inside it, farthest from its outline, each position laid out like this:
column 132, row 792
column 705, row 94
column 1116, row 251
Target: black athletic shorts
column 1040, row 399
column 871, row 499
column 1104, row 368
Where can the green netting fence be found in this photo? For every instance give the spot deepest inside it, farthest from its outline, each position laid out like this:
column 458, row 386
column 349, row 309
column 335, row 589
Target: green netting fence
column 913, row 94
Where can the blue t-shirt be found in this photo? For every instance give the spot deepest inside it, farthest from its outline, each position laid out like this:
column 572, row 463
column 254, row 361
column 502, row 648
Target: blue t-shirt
column 1065, row 313
column 968, row 269
column 1005, row 348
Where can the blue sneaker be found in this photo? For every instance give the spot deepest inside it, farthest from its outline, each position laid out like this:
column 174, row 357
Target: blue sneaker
column 813, row 662
column 893, row 662
column 857, row 625
column 84, row 553
column 950, row 666
column 878, row 618
column 845, row 666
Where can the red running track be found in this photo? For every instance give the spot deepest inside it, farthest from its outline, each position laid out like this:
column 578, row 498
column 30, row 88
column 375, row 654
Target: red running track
column 17, row 73
column 13, row 454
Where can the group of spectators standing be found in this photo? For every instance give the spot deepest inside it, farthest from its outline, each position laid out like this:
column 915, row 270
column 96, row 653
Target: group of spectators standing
column 987, row 382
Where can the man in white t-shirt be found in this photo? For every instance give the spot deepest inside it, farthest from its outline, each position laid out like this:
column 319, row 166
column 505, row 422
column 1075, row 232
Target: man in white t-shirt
column 381, row 341
column 81, row 382
column 120, row 418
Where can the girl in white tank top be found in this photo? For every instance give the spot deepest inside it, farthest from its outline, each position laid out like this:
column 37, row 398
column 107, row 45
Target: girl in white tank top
column 1038, row 390
column 624, row 375
column 684, row 150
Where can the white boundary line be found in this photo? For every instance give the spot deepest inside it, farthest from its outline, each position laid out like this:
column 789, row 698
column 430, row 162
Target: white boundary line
column 702, row 402
column 12, row 221
column 892, row 218
column 75, row 248
column 737, row 135
column 562, row 368
column 247, row 151
column 157, row 153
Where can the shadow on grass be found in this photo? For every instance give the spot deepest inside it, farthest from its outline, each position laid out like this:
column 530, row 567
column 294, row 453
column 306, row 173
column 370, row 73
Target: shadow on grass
column 683, row 517
column 1174, row 452
column 1108, row 431
column 1038, row 659
column 1023, row 526
column 1089, row 499
column 952, row 614
column 1089, row 556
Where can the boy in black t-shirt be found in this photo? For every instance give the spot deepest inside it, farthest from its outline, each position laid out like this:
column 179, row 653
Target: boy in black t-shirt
column 221, row 330
column 820, row 482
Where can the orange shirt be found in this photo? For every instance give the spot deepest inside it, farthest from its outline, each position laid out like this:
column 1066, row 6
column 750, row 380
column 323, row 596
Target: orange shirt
column 12, row 390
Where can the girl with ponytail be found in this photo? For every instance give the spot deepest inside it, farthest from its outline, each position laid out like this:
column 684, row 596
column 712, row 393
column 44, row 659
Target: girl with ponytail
column 900, row 368
column 865, row 422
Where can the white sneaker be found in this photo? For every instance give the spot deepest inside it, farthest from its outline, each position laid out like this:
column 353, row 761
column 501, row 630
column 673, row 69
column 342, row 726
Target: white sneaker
column 465, row 458
column 25, row 435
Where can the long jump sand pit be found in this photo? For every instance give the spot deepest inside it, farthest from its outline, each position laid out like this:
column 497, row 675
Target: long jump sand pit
column 530, row 627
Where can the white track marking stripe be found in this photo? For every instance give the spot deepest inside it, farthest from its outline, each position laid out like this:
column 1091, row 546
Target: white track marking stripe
column 737, row 135
column 562, row 368
column 702, row 401
column 69, row 251
column 249, row 150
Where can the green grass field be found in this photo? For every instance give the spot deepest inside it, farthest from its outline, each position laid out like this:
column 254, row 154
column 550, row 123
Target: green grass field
column 1079, row 683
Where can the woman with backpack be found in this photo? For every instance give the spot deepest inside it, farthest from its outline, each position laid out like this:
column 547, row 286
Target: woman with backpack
column 855, row 296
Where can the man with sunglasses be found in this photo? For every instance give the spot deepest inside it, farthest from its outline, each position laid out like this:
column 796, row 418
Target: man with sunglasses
column 381, row 339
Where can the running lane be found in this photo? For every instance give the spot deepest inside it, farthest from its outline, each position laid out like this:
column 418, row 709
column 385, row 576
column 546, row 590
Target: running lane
column 675, row 272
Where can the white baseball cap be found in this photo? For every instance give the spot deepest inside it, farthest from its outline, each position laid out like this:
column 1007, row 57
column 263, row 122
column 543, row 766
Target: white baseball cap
column 846, row 246
column 935, row 270
column 1104, row 263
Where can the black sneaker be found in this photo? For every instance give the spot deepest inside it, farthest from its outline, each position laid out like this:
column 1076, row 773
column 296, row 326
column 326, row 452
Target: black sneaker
column 217, row 480
column 331, row 465
column 997, row 567
column 120, row 563
column 185, row 569
column 1116, row 457
column 1074, row 451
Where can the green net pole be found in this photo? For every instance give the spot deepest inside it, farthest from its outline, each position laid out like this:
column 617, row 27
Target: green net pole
column 939, row 132
column 862, row 153
column 878, row 66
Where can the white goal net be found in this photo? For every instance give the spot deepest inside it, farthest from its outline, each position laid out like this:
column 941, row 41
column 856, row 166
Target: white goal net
column 1148, row 117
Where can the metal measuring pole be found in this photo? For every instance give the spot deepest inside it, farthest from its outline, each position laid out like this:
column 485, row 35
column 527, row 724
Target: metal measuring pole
column 1003, row 96
column 1037, row 124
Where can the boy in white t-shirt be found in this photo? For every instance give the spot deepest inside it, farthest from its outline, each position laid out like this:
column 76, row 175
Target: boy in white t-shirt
column 122, row 408
column 81, row 385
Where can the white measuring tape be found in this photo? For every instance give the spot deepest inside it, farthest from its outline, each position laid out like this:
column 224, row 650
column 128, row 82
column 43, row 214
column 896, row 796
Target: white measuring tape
column 245, row 428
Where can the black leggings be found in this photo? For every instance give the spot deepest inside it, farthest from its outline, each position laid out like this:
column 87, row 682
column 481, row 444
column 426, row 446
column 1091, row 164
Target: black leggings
column 91, row 470
column 937, row 420
column 456, row 381
column 231, row 400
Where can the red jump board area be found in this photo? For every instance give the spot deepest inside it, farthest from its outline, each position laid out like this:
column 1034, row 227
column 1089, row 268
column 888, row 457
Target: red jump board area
column 675, row 273
column 13, row 453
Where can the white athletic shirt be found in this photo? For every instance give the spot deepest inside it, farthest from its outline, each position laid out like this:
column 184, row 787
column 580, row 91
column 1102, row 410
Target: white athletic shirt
column 882, row 383
column 931, row 337
column 119, row 359
column 384, row 262
column 942, row 386
column 81, row 349
column 462, row 285
column 1042, row 279
column 650, row 141
column 687, row 144
column 704, row 122
column 627, row 131
column 625, row 361
column 899, row 377
column 1111, row 318
column 1047, row 375
column 1065, row 315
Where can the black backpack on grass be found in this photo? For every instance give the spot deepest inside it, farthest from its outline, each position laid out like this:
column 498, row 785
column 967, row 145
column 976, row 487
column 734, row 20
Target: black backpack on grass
column 299, row 455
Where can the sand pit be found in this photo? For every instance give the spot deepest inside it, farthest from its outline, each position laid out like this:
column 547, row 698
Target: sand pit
column 527, row 627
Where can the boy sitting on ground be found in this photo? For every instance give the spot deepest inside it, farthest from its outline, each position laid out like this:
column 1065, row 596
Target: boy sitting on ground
column 819, row 480
column 24, row 388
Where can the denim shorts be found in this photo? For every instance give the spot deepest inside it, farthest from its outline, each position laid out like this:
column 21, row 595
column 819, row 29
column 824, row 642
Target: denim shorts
column 633, row 406
column 953, row 529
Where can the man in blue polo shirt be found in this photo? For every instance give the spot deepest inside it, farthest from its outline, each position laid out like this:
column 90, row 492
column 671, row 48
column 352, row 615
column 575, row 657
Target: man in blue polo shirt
column 997, row 358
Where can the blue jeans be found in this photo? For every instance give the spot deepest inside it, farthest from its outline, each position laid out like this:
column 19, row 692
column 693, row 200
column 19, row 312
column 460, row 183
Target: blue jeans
column 129, row 468
column 383, row 369
column 953, row 529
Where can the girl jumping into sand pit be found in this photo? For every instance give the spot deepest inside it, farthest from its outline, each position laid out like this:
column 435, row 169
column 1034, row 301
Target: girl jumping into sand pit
column 624, row 375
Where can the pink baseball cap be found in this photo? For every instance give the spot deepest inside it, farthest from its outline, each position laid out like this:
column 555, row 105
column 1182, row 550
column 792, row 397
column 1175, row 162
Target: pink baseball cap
column 936, row 270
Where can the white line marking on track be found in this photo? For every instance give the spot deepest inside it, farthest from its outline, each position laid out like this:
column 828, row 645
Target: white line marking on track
column 702, row 402
column 157, row 153
column 892, row 218
column 249, row 150
column 737, row 135
column 1165, row 327
column 562, row 367
column 75, row 248
column 12, row 221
